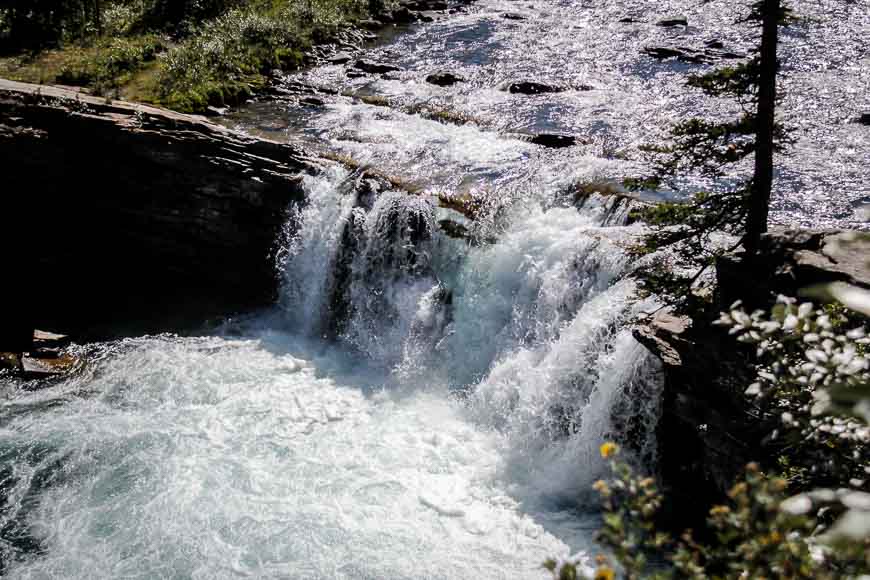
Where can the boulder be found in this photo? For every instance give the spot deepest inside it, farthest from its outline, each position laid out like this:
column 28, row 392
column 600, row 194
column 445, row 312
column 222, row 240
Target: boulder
column 375, row 67
column 444, row 79
column 532, row 88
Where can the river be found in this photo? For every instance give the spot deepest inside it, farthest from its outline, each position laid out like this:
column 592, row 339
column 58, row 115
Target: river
column 418, row 404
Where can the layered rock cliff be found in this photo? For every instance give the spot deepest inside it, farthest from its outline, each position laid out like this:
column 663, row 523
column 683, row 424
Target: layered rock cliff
column 119, row 214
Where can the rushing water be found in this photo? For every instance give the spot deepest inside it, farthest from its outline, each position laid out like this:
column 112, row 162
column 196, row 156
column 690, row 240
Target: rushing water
column 417, row 405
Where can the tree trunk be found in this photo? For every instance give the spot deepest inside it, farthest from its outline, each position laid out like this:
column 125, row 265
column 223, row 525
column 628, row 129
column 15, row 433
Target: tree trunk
column 762, row 181
column 98, row 17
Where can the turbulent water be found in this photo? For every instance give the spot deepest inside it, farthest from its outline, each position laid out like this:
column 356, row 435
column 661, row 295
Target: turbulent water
column 427, row 397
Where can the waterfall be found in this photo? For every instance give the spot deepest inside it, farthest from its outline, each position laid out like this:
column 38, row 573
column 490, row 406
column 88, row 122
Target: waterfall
column 529, row 330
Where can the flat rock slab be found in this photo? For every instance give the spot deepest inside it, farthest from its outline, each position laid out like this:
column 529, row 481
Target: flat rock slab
column 40, row 368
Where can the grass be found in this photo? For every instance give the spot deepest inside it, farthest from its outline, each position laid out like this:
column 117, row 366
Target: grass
column 222, row 61
column 107, row 64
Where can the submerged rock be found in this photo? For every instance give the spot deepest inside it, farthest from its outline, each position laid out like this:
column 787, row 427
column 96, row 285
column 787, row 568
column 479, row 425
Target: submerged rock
column 444, row 79
column 553, row 140
column 532, row 88
column 673, row 21
column 690, row 55
column 375, row 67
column 513, row 16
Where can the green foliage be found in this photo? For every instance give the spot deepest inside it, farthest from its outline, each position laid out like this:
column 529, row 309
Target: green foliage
column 757, row 533
column 111, row 62
column 226, row 59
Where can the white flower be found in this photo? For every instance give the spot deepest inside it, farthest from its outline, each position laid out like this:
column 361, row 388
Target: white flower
column 790, row 322
column 817, row 356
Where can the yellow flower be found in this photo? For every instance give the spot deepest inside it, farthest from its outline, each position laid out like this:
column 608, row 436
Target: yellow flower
column 604, row 573
column 720, row 510
column 609, row 449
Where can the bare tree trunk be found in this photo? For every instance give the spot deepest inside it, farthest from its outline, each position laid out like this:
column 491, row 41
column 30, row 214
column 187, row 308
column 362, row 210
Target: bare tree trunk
column 762, row 182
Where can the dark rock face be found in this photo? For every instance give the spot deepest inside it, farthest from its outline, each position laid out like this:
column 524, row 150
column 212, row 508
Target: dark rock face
column 444, row 79
column 704, row 436
column 374, row 67
column 532, row 88
column 864, row 119
column 127, row 214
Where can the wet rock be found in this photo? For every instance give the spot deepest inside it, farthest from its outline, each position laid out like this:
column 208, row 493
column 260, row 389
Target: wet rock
column 864, row 119
column 45, row 339
column 532, row 88
column 673, row 21
column 453, row 229
column 371, row 24
column 426, row 18
column 375, row 67
column 444, row 79
column 339, row 58
column 690, row 55
column 629, row 20
column 42, row 367
column 553, row 140
column 718, row 44
column 216, row 111
column 404, row 15
column 513, row 16
column 312, row 102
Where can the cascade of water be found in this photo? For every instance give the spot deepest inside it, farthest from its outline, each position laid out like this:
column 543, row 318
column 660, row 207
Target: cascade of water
column 530, row 329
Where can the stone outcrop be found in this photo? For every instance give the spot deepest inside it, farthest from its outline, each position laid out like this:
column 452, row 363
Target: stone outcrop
column 119, row 214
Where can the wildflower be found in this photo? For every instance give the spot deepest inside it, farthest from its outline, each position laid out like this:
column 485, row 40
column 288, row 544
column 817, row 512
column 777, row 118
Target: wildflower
column 609, row 449
column 604, row 573
column 720, row 510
